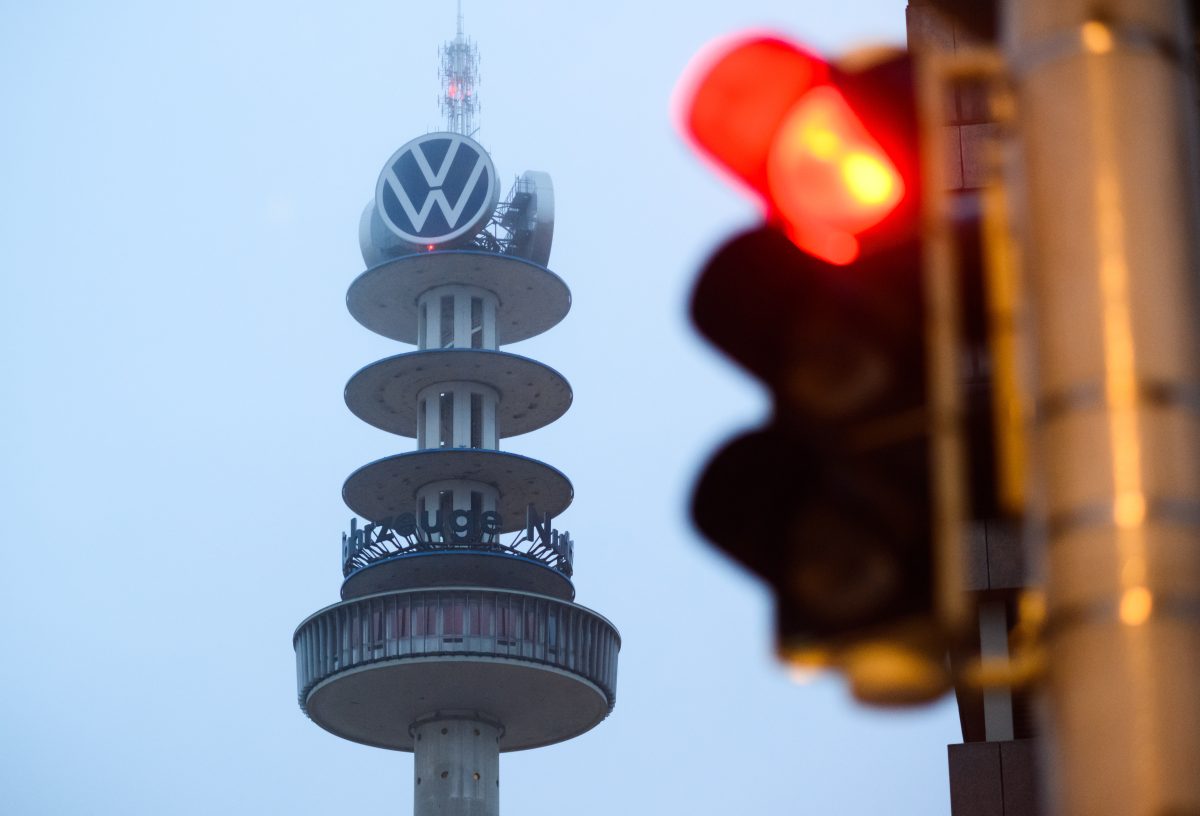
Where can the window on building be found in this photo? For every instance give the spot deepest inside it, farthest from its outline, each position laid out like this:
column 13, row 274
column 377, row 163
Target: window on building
column 447, row 327
column 477, row 420
column 446, row 419
column 476, row 322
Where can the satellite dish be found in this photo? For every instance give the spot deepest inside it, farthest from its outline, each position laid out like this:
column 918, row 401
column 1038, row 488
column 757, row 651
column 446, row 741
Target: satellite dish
column 534, row 231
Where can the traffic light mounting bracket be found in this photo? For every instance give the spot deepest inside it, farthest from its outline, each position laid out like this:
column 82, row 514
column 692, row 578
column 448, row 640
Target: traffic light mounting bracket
column 937, row 74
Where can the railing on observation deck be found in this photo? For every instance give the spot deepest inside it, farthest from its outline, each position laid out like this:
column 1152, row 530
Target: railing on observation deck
column 456, row 622
column 379, row 542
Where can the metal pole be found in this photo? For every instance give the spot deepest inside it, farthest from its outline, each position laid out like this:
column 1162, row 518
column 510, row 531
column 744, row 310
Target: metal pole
column 1106, row 107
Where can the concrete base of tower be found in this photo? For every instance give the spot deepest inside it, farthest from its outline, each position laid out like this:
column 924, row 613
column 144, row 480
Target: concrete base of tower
column 456, row 765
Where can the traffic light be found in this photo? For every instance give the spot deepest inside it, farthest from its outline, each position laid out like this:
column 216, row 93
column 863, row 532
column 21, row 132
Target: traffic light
column 791, row 128
column 835, row 502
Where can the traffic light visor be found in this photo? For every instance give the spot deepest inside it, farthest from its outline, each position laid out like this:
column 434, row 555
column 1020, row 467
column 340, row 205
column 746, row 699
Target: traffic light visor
column 774, row 116
column 734, row 96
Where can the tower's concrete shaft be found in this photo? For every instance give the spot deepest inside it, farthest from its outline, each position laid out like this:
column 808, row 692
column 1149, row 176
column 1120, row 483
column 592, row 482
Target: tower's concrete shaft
column 456, row 763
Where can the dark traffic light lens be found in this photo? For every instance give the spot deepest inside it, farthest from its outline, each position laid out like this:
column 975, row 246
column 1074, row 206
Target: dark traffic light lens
column 839, row 571
column 832, row 373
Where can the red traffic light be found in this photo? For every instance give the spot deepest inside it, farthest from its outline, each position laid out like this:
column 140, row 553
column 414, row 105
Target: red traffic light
column 779, row 119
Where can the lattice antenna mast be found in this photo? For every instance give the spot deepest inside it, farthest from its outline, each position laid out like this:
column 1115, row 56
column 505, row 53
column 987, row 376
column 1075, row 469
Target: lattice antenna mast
column 460, row 81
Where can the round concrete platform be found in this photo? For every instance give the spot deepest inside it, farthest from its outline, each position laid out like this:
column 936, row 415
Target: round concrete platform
column 389, row 486
column 384, row 394
column 376, row 704
column 371, row 667
column 532, row 298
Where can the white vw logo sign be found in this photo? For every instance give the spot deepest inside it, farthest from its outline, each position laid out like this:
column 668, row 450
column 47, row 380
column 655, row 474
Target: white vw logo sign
column 436, row 188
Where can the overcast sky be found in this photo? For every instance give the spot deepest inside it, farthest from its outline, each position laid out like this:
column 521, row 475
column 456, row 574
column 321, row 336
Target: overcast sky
column 179, row 198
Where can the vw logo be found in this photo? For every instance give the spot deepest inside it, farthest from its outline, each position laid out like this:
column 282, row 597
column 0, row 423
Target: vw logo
column 436, row 188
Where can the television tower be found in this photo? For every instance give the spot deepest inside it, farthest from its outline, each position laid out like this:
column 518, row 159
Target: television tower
column 456, row 637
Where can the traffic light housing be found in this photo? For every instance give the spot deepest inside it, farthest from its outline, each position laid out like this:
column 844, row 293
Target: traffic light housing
column 791, row 129
column 835, row 502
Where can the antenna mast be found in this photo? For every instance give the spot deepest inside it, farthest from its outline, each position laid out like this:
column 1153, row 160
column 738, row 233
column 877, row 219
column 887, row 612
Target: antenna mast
column 460, row 77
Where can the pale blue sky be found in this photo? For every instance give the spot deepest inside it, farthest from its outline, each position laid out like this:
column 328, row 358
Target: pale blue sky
column 179, row 199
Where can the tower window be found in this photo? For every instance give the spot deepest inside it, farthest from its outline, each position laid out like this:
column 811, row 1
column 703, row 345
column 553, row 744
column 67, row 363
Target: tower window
column 447, row 327
column 476, row 420
column 446, row 420
column 476, row 322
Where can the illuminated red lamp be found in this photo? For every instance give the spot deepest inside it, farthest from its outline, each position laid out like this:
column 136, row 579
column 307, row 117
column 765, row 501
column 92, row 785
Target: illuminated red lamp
column 773, row 115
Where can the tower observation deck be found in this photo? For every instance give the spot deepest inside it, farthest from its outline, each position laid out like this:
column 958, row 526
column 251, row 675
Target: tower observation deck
column 457, row 637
